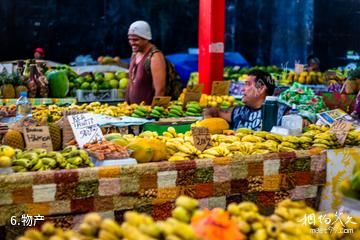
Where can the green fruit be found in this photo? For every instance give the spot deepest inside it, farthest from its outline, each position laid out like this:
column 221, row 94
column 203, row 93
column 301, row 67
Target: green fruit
column 114, row 83
column 85, row 86
column 58, row 83
column 109, row 75
column 181, row 214
column 99, row 77
column 120, row 74
column 105, row 85
column 355, row 181
column 88, row 78
column 123, row 83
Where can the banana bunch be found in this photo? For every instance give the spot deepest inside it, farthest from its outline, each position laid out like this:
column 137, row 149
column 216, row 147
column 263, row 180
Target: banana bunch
column 158, row 112
column 170, row 133
column 40, row 160
column 193, row 109
column 49, row 231
column 175, row 111
column 141, row 112
column 44, row 113
column 181, row 150
column 256, row 226
column 146, row 134
column 218, row 151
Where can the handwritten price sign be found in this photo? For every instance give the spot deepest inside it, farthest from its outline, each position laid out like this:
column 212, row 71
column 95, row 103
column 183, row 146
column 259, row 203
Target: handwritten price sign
column 161, row 101
column 201, row 137
column 220, row 88
column 38, row 137
column 340, row 129
column 85, row 129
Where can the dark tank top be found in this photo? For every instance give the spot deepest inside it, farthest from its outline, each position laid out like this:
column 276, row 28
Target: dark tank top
column 141, row 86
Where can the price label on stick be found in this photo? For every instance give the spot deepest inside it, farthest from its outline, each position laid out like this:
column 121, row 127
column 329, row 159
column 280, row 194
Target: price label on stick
column 220, row 88
column 201, row 137
column 38, row 137
column 340, row 129
column 85, row 128
column 161, row 101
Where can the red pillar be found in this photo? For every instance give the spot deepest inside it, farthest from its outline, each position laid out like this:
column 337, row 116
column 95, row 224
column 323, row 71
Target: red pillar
column 211, row 42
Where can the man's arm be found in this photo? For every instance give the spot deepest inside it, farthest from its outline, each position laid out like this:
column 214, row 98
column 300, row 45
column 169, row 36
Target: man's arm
column 158, row 72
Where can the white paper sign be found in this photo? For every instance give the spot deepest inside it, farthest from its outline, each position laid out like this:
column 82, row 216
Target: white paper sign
column 85, row 128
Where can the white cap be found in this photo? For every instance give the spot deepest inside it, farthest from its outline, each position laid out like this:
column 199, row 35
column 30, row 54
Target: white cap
column 141, row 29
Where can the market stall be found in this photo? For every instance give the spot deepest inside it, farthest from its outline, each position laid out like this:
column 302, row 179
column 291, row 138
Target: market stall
column 64, row 196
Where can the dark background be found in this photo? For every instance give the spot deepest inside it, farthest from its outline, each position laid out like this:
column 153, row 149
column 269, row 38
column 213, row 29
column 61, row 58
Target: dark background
column 263, row 31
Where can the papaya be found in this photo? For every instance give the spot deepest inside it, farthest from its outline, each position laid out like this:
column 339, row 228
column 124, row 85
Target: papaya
column 142, row 150
column 58, row 83
column 215, row 125
column 159, row 150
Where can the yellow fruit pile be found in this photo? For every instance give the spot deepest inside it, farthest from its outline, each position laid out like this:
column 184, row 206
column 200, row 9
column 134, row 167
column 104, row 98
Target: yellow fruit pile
column 241, row 221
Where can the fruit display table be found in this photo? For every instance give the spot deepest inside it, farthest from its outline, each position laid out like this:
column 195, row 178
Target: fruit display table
column 340, row 164
column 64, row 196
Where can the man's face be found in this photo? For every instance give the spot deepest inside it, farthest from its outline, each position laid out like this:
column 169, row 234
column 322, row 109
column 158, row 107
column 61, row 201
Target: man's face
column 137, row 43
column 252, row 90
column 37, row 55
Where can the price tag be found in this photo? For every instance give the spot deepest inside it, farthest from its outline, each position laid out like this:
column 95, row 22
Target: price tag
column 220, row 88
column 299, row 68
column 195, row 88
column 340, row 129
column 38, row 137
column 161, row 101
column 85, row 128
column 193, row 93
column 201, row 137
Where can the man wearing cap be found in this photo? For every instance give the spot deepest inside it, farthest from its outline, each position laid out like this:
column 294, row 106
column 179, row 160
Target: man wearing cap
column 258, row 85
column 39, row 53
column 145, row 81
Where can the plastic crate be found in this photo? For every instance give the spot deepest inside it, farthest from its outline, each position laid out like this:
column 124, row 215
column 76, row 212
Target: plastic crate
column 111, row 95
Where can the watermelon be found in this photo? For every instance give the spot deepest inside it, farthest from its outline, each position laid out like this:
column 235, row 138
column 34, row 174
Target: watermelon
column 58, row 83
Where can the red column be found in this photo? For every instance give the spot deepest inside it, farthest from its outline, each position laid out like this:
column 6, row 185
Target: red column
column 211, row 42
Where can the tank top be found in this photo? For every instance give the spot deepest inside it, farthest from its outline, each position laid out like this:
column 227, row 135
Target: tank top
column 141, row 86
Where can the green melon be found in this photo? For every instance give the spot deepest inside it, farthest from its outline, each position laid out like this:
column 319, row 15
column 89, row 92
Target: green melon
column 58, row 83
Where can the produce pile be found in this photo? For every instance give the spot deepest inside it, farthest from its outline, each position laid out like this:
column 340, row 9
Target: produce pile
column 288, row 77
column 188, row 222
column 100, row 81
column 179, row 146
column 307, row 103
column 27, row 76
column 53, row 113
column 40, row 159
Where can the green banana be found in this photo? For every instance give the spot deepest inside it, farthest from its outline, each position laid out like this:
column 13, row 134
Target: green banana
column 30, row 155
column 39, row 150
column 159, row 108
column 49, row 161
column 176, row 107
column 75, row 160
column 37, row 166
column 69, row 149
column 136, row 116
column 193, row 110
column 156, row 112
column 141, row 109
column 23, row 162
column 18, row 169
column 51, row 154
column 140, row 113
column 173, row 115
column 176, row 112
column 84, row 155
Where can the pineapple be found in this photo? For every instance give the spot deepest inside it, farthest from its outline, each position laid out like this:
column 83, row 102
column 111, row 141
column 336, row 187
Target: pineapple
column 55, row 134
column 7, row 88
column 14, row 139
